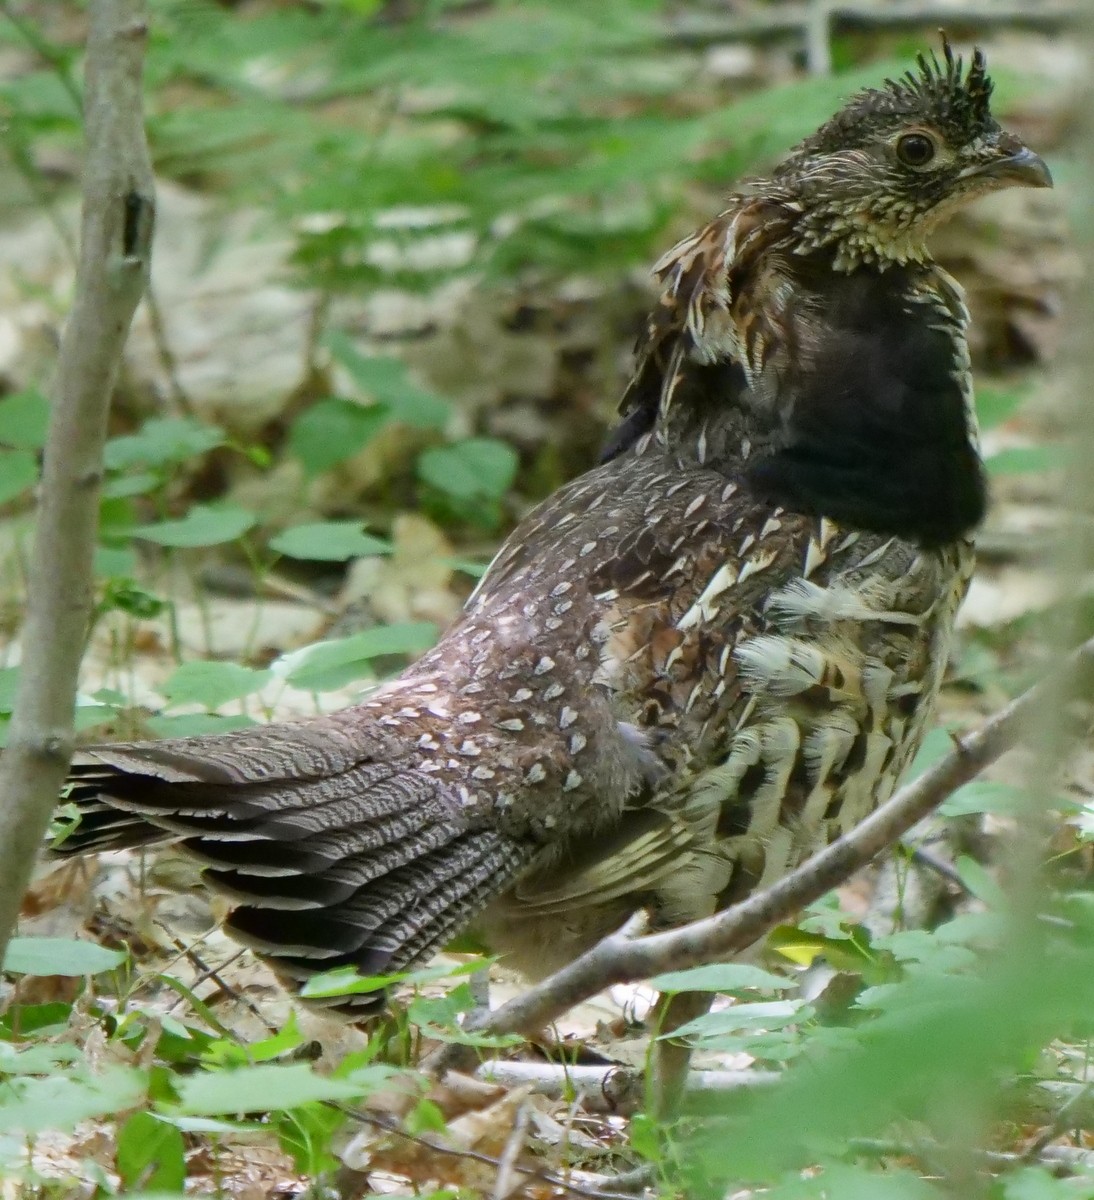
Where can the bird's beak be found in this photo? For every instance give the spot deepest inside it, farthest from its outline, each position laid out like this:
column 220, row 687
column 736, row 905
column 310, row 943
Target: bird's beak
column 1020, row 168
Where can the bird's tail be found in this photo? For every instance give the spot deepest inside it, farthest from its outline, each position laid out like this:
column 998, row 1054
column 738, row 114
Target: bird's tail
column 335, row 848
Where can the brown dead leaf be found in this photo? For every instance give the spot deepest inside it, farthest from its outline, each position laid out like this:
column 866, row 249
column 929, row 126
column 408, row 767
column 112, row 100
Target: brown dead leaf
column 66, row 885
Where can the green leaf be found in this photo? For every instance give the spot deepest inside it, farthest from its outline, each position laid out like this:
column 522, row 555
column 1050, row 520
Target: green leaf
column 59, row 956
column 161, row 442
column 24, row 420
column 387, row 381
column 212, row 684
column 854, row 1183
column 9, row 685
column 61, row 1102
column 646, row 1137
column 995, row 405
column 328, row 665
column 269, row 1087
column 193, row 724
column 425, row 1117
column 29, row 1019
column 150, row 1154
column 475, row 569
column 476, row 467
column 845, row 953
column 328, row 541
column 1039, row 1183
column 225, row 1051
column 124, row 594
column 116, row 563
column 89, row 715
column 976, row 877
column 203, row 525
column 952, row 1036
column 1027, row 460
column 769, row 1015
column 935, row 746
column 122, row 486
column 989, row 796
column 722, row 977
column 345, row 981
column 306, row 1134
column 40, row 1059
column 333, row 430
column 18, row 473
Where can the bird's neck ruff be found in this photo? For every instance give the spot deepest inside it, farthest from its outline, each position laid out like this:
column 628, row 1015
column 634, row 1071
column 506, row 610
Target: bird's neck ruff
column 849, row 397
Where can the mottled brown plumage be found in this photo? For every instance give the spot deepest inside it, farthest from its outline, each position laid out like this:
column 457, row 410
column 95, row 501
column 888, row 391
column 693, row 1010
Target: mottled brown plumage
column 690, row 667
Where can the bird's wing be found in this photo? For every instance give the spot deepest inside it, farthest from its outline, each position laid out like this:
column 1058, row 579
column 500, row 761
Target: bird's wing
column 649, row 846
column 677, row 595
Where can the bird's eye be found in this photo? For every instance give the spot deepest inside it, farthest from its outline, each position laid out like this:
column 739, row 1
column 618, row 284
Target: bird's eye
column 915, row 149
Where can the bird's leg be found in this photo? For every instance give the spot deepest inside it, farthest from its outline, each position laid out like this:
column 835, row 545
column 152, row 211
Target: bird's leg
column 671, row 1056
column 479, row 984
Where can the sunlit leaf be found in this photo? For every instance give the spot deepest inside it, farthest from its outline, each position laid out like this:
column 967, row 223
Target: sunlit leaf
column 61, row 1102
column 59, row 956
column 150, row 1153
column 721, row 977
column 161, row 442
column 1026, row 460
column 328, row 665
column 268, row 1087
column 212, row 683
column 193, row 724
column 328, row 541
column 24, row 419
column 18, row 473
column 333, row 430
column 474, row 467
column 203, row 525
column 386, row 380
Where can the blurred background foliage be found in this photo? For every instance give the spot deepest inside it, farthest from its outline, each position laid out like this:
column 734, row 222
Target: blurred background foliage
column 402, row 255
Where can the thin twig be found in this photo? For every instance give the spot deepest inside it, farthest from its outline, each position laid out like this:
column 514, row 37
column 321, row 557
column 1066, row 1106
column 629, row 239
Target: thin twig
column 945, row 870
column 631, row 1182
column 351, row 1175
column 1058, row 1158
column 180, row 398
column 115, row 248
column 621, row 958
column 206, row 973
column 507, row 1178
column 1063, row 1121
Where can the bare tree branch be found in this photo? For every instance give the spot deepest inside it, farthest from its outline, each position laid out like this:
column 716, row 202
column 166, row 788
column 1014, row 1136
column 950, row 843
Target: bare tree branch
column 611, row 1088
column 115, row 242
column 622, row 958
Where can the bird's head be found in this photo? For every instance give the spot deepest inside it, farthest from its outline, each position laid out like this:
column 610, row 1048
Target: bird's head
column 876, row 179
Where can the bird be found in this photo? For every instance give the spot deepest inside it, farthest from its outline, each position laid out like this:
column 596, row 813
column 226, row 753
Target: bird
column 692, row 666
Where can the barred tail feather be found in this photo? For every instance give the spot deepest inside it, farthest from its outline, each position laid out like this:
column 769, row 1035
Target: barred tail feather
column 334, row 859
column 388, row 925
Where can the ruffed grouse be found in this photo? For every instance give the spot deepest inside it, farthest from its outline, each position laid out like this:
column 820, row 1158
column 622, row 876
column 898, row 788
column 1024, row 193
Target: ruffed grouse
column 693, row 665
